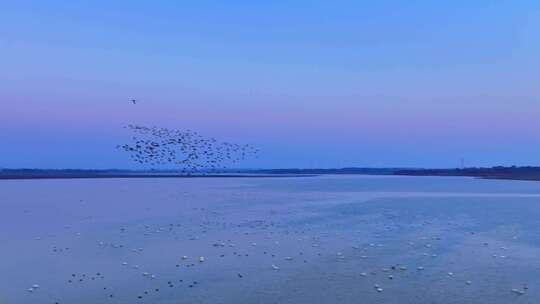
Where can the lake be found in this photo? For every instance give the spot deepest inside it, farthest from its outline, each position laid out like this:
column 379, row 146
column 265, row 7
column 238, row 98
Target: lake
column 323, row 239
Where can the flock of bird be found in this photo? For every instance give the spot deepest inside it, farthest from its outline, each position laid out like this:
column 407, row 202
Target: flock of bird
column 186, row 149
column 222, row 246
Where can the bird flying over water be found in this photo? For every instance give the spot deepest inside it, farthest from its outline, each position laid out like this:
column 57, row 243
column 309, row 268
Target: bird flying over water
column 186, row 149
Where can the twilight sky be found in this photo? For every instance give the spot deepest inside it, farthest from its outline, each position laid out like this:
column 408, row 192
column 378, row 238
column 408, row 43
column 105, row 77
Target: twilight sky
column 311, row 83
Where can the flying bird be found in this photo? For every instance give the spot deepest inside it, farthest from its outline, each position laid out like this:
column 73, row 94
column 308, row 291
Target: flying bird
column 186, row 149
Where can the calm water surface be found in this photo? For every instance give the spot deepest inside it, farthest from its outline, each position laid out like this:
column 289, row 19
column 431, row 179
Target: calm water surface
column 326, row 239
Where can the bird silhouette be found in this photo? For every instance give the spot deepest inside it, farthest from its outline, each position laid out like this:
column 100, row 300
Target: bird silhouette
column 186, row 149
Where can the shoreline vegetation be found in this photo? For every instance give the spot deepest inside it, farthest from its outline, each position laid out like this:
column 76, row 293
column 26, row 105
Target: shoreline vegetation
column 499, row 172
column 20, row 174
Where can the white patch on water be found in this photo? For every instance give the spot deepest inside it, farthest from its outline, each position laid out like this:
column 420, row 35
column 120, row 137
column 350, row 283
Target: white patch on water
column 221, row 240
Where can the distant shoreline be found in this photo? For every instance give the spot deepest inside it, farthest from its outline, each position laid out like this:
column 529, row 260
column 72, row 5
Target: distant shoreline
column 103, row 176
column 508, row 173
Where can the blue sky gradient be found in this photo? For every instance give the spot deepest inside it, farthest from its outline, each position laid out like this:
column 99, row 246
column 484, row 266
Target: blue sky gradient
column 312, row 83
